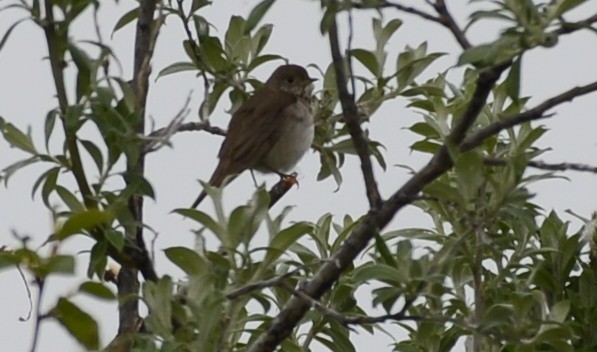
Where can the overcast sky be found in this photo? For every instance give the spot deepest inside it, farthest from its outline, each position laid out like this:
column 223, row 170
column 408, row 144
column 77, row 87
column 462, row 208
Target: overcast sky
column 27, row 94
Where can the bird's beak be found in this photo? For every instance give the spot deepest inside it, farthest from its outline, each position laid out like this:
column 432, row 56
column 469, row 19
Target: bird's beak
column 312, row 79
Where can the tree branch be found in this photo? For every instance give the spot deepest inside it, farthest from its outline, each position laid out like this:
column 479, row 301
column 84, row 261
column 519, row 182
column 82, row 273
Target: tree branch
column 447, row 20
column 570, row 27
column 535, row 113
column 350, row 111
column 56, row 50
column 128, row 281
column 376, row 219
column 542, row 165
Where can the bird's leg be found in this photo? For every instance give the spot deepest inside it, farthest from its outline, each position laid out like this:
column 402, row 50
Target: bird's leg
column 254, row 179
column 287, row 178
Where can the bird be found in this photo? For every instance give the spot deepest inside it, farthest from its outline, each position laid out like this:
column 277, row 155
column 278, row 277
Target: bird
column 270, row 131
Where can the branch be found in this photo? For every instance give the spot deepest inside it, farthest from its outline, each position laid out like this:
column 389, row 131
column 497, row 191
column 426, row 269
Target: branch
column 570, row 27
column 57, row 63
column 38, row 316
column 276, row 281
column 399, row 7
column 350, row 111
column 364, row 319
column 128, row 281
column 376, row 219
column 536, row 113
column 447, row 20
column 542, row 165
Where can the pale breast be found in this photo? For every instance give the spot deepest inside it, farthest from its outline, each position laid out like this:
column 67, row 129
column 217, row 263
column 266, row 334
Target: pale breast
column 296, row 136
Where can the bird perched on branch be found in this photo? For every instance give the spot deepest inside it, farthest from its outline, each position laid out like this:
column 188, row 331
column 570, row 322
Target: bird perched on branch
column 271, row 131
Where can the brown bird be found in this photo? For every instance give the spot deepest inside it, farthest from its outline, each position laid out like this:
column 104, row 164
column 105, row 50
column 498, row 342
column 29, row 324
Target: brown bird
column 271, row 131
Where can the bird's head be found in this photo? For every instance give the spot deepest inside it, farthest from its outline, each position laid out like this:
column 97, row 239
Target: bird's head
column 292, row 79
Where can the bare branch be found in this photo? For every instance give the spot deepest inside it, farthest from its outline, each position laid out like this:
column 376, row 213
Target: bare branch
column 352, row 120
column 399, row 7
column 276, row 281
column 447, row 20
column 542, row 165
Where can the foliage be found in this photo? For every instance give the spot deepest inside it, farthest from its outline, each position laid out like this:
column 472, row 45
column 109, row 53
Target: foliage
column 495, row 270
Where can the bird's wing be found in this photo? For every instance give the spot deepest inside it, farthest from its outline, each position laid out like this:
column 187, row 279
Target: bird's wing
column 253, row 128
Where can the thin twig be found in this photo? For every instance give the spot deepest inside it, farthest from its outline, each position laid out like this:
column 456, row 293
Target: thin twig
column 542, row 165
column 352, row 120
column 28, row 294
column 400, row 7
column 276, row 281
column 447, row 20
column 38, row 316
column 570, row 27
column 364, row 319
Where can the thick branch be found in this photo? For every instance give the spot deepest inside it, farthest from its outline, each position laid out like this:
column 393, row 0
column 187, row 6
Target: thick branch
column 352, row 120
column 376, row 219
column 128, row 282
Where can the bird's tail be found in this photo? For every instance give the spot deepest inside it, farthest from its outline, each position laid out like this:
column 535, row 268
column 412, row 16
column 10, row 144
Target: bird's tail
column 216, row 180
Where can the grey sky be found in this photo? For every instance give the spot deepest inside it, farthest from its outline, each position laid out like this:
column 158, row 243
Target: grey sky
column 26, row 94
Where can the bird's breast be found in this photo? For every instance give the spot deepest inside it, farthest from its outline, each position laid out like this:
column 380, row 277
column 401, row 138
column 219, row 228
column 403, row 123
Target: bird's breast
column 295, row 132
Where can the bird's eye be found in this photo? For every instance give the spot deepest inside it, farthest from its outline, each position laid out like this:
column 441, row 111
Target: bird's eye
column 289, row 79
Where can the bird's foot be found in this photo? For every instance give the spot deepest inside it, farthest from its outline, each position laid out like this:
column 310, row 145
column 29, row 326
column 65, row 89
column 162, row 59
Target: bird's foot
column 289, row 179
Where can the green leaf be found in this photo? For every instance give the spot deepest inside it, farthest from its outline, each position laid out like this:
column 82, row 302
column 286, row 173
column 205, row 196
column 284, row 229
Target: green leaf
column 64, row 264
column 97, row 289
column 283, row 239
column 98, row 259
column 158, row 296
column 201, row 218
column 260, row 38
column 559, row 311
column 95, row 153
column 83, row 221
column 513, row 80
column 386, row 33
column 116, row 238
column 563, row 7
column 71, row 201
column 368, row 60
column 84, row 74
column 380, row 272
column 175, row 68
column 50, row 176
column 11, row 169
column 78, row 323
column 9, row 31
column 8, row 259
column 188, row 260
column 257, row 14
column 469, row 169
column 16, row 138
column 49, row 125
column 259, row 60
column 126, row 19
column 213, row 54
